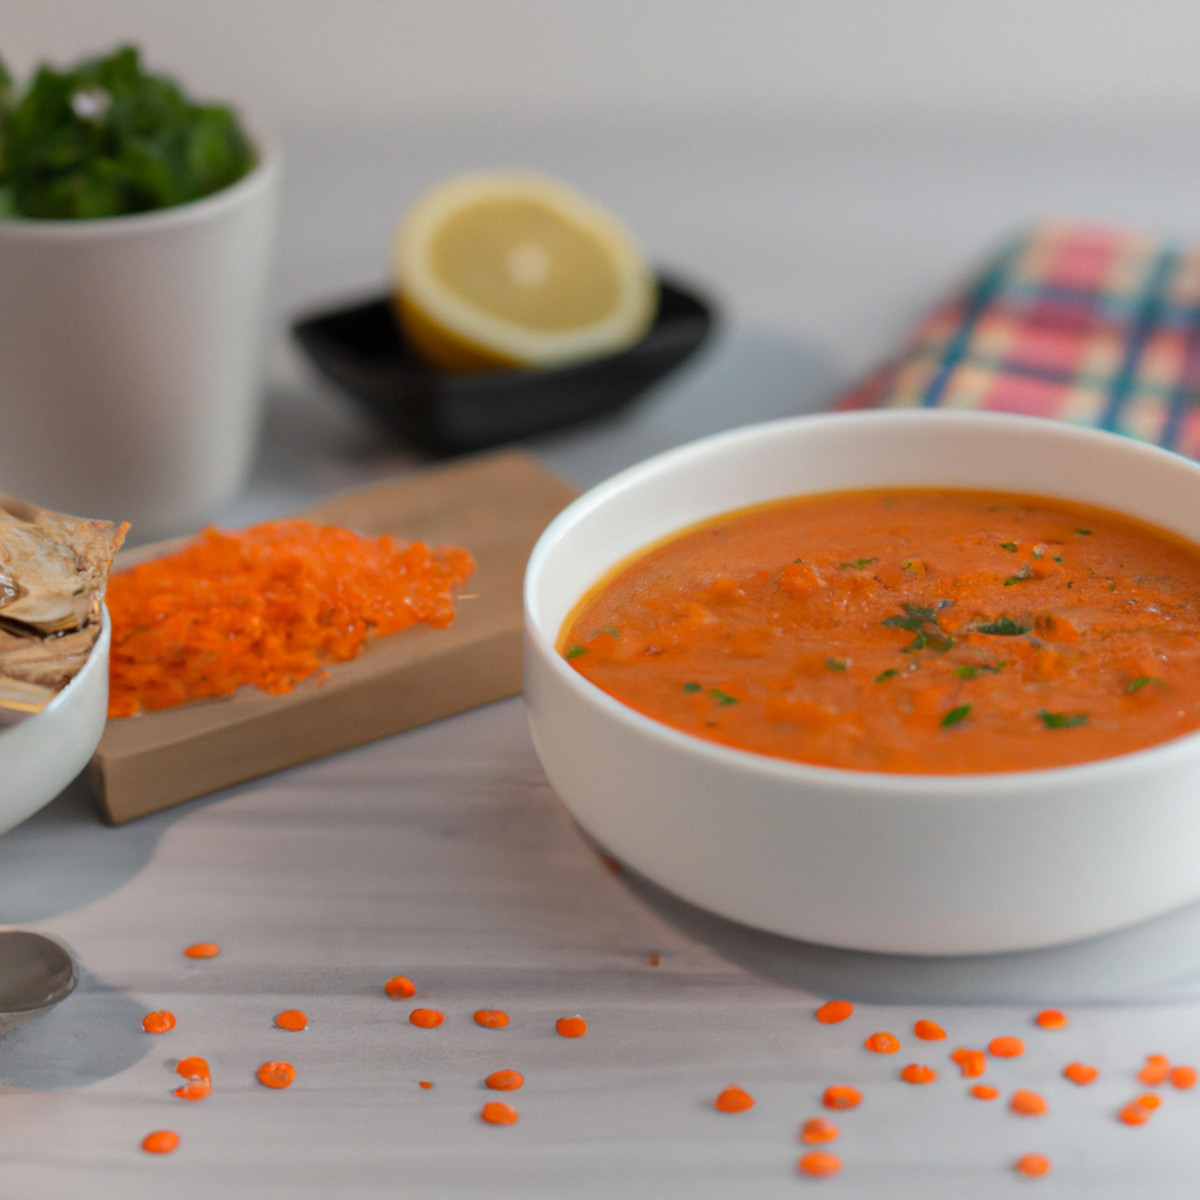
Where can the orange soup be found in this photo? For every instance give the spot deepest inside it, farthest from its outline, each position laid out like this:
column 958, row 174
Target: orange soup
column 918, row 631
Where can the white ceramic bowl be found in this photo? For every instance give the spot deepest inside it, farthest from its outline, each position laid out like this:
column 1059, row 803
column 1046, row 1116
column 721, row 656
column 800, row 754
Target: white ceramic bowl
column 901, row 863
column 41, row 754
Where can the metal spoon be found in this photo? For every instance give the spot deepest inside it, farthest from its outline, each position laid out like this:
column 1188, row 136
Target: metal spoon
column 35, row 974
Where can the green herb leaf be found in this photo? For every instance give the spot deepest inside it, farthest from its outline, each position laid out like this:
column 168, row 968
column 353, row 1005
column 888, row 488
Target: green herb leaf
column 1005, row 627
column 857, row 564
column 1084, row 532
column 1062, row 720
column 890, row 673
column 1026, row 572
column 972, row 669
column 1011, row 547
column 836, row 664
column 691, row 687
column 612, row 631
column 954, row 716
column 722, row 697
column 1136, row 685
column 576, row 651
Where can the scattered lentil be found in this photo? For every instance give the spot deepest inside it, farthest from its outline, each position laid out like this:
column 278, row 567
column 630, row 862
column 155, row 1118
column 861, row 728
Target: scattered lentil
column 276, row 1074
column 425, row 1083
column 733, row 1099
column 400, row 988
column 817, row 1130
column 158, row 1022
column 840, row 1096
column 161, row 1141
column 820, row 1164
column 193, row 1067
column 915, row 1073
column 1006, row 1047
column 496, row 1112
column 984, row 1091
column 491, row 1018
column 1028, row 1104
column 194, row 1089
column 426, row 1018
column 203, row 950
column 1156, row 1070
column 1080, row 1073
column 570, row 1027
column 1033, row 1165
column 929, row 1031
column 834, row 1011
column 1183, row 1077
column 972, row 1063
column 1135, row 1114
column 1051, row 1018
column 505, row 1081
column 291, row 1019
column 882, row 1043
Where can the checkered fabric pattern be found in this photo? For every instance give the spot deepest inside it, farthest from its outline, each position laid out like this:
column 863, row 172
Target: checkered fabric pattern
column 1095, row 326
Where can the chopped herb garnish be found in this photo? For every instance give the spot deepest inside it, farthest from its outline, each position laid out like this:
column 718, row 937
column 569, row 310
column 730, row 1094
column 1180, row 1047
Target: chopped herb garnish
column 612, row 631
column 857, row 564
column 722, row 697
column 1058, row 558
column 1011, row 547
column 954, row 716
column 888, row 674
column 1026, row 572
column 1084, row 532
column 973, row 669
column 691, row 687
column 1004, row 627
column 1062, row 720
column 1136, row 685
column 836, row 664
column 923, row 623
column 576, row 650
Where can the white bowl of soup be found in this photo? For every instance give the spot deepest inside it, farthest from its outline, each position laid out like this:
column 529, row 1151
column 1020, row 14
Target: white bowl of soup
column 917, row 682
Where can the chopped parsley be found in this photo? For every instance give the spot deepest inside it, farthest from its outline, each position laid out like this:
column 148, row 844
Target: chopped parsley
column 836, row 664
column 1062, row 720
column 922, row 623
column 1011, row 547
column 954, row 716
column 857, row 564
column 888, row 674
column 1084, row 532
column 691, row 687
column 721, row 697
column 1026, row 572
column 576, row 651
column 1005, row 627
column 972, row 669
column 1136, row 685
column 612, row 631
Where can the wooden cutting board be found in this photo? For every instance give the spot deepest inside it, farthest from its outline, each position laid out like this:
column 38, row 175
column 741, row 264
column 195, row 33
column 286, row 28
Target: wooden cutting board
column 496, row 506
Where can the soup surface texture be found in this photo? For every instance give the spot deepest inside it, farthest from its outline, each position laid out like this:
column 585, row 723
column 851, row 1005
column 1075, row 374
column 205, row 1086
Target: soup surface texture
column 931, row 632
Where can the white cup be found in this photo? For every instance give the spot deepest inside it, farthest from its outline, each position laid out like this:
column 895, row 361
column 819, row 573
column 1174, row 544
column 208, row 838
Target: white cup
column 132, row 354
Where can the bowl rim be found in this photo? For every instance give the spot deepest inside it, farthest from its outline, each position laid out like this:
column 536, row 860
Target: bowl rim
column 989, row 785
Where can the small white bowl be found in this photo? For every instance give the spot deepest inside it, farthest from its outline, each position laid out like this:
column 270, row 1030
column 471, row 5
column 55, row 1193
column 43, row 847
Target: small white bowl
column 41, row 754
column 916, row 864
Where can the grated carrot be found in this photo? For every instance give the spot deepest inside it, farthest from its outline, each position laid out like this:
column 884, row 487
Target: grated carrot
column 268, row 606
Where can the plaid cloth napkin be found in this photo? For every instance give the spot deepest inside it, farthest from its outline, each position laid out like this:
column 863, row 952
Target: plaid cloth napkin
column 1095, row 326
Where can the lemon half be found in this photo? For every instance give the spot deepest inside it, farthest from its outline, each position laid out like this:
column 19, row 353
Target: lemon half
column 518, row 269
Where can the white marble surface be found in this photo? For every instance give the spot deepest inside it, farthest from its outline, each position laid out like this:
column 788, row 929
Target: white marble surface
column 442, row 854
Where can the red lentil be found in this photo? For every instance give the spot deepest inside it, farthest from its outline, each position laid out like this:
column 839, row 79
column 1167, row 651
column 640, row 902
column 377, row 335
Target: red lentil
column 984, row 1091
column 158, row 1022
column 1080, row 1073
column 1006, row 1047
column 1135, row 1114
column 161, row 1141
column 1156, row 1070
column 1028, row 1104
column 193, row 1067
column 834, row 1011
column 972, row 1063
column 1051, row 1018
column 570, row 1027
column 1183, row 1077
column 733, row 1099
column 491, row 1018
column 915, row 1073
column 426, row 1018
column 929, row 1031
column 203, row 950
column 194, row 1089
column 291, row 1019
column 820, row 1164
column 840, row 1096
column 882, row 1043
column 505, row 1081
column 276, row 1074
column 400, row 988
column 816, row 1130
column 1033, row 1165
column 496, row 1112
column 425, row 1083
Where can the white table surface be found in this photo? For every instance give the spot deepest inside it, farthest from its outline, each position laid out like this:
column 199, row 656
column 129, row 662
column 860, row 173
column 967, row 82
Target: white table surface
column 443, row 855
